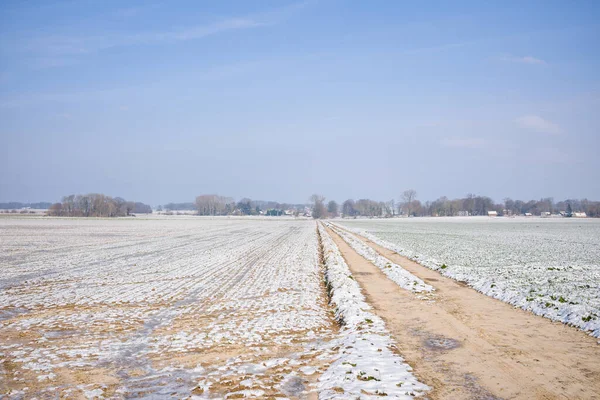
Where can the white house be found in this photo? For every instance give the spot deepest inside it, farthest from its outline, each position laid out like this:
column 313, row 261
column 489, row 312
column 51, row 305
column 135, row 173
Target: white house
column 492, row 213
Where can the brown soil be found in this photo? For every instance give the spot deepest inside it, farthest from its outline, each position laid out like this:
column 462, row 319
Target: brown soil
column 470, row 346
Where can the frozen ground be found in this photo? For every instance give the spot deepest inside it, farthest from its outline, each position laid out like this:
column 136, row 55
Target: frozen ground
column 548, row 266
column 154, row 307
column 396, row 273
column 368, row 365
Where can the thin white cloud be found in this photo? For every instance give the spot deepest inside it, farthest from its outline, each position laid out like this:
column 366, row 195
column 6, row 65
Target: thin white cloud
column 531, row 60
column 463, row 143
column 538, row 124
column 28, row 99
column 75, row 45
column 523, row 60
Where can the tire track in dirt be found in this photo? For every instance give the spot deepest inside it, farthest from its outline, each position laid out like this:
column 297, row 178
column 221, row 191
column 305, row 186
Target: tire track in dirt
column 470, row 346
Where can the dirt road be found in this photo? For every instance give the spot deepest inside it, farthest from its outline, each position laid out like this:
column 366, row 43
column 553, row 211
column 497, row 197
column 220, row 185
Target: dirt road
column 470, row 346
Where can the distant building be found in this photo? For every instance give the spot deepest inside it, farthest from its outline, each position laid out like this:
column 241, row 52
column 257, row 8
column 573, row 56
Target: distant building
column 492, row 213
column 463, row 213
column 528, row 214
column 544, row 214
column 579, row 215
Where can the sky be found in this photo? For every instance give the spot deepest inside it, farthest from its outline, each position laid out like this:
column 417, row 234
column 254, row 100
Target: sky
column 161, row 101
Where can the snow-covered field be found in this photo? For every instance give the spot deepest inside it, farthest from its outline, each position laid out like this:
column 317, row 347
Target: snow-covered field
column 182, row 307
column 193, row 307
column 548, row 266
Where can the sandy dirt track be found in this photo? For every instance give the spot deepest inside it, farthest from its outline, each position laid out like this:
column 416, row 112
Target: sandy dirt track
column 470, row 346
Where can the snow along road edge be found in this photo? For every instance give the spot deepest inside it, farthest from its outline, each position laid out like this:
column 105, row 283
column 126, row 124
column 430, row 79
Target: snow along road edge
column 368, row 366
column 563, row 312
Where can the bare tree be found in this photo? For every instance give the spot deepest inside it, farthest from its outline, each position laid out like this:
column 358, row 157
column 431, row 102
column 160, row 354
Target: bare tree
column 212, row 204
column 97, row 205
column 348, row 208
column 55, row 210
column 332, row 209
column 245, row 206
column 68, row 204
column 120, row 204
column 369, row 208
column 318, row 206
column 129, row 207
column 392, row 207
column 408, row 196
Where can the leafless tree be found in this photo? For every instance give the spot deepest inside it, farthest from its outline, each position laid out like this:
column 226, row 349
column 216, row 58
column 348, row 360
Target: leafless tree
column 212, row 204
column 332, row 209
column 391, row 206
column 318, row 206
column 408, row 196
column 348, row 208
column 96, row 205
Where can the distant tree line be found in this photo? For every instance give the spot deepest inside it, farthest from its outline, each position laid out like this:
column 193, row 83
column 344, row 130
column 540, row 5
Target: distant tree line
column 97, row 205
column 409, row 205
column 212, row 204
column 15, row 205
column 20, row 211
column 178, row 206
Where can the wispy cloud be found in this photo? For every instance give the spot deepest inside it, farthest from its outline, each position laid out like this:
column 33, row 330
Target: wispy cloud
column 538, row 124
column 463, row 143
column 79, row 45
column 523, row 60
column 120, row 92
column 56, row 46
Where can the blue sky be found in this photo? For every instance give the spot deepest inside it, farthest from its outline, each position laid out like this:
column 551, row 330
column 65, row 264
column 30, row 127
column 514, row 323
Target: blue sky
column 162, row 101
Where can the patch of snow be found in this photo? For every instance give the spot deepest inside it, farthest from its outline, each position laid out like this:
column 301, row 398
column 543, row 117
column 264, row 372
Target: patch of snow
column 396, row 273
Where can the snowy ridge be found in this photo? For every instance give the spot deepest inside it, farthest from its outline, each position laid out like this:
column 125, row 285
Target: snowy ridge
column 543, row 300
column 396, row 273
column 367, row 367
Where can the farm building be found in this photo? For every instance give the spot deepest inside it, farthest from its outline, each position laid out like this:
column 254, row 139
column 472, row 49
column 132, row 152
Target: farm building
column 579, row 215
column 492, row 213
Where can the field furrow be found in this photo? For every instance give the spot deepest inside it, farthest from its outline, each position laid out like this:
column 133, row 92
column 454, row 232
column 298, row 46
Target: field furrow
column 205, row 307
